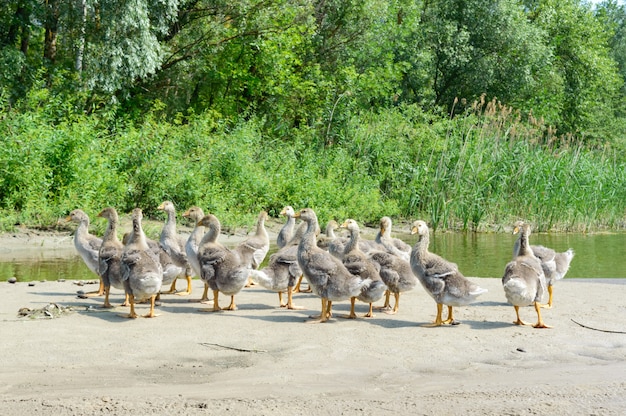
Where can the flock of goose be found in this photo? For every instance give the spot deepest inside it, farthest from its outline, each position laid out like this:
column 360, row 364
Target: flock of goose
column 335, row 268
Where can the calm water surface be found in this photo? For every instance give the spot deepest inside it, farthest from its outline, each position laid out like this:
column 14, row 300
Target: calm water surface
column 478, row 255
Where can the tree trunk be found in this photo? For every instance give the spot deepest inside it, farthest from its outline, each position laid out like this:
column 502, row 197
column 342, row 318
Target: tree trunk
column 82, row 4
column 51, row 25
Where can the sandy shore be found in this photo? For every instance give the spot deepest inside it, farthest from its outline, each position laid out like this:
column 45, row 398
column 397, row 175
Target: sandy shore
column 263, row 360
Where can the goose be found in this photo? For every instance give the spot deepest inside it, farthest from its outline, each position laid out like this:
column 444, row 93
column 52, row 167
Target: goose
column 286, row 232
column 195, row 213
column 327, row 276
column 392, row 245
column 141, row 269
column 299, row 233
column 224, row 270
column 174, row 246
column 110, row 257
column 555, row 265
column 359, row 264
column 259, row 243
column 283, row 270
column 441, row 278
column 87, row 245
column 329, row 238
column 524, row 280
column 397, row 274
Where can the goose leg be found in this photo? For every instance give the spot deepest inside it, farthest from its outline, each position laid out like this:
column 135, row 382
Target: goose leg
column 98, row 292
column 126, row 301
column 314, row 319
column 387, row 306
column 232, row 306
column 352, row 315
column 186, row 292
column 151, row 314
column 107, row 304
column 519, row 320
column 450, row 320
column 370, row 314
column 549, row 304
column 132, row 313
column 329, row 309
column 540, row 323
column 205, row 295
column 388, row 309
column 297, row 288
column 290, row 304
column 216, row 305
column 172, row 288
column 438, row 321
column 280, row 300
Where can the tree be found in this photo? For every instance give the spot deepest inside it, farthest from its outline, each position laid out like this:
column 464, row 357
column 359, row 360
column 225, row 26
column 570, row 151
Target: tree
column 589, row 81
column 486, row 47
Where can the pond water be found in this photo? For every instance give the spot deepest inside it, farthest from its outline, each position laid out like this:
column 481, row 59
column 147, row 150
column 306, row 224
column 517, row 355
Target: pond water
column 478, row 255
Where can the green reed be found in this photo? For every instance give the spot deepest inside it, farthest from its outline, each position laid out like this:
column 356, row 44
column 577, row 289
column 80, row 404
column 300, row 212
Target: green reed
column 479, row 170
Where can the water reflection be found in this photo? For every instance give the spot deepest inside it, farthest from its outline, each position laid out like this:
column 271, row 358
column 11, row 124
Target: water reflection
column 478, row 255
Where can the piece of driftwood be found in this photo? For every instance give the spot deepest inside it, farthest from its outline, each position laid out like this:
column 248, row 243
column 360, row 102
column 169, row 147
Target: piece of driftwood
column 210, row 344
column 597, row 329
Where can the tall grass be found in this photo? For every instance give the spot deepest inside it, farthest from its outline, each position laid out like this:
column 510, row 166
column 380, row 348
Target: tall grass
column 489, row 167
column 475, row 171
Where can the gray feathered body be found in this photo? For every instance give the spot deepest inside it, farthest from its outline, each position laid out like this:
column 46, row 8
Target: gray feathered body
column 282, row 270
column 386, row 242
column 286, row 232
column 141, row 268
column 86, row 244
column 258, row 244
column 221, row 268
column 395, row 272
column 359, row 264
column 524, row 280
column 172, row 243
column 193, row 242
column 441, row 278
column 110, row 253
column 555, row 265
column 325, row 273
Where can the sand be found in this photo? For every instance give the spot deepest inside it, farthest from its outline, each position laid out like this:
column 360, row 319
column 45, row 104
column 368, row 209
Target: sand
column 264, row 360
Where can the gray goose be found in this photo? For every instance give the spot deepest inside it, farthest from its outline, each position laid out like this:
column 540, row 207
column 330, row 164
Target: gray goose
column 441, row 278
column 325, row 240
column 328, row 277
column 86, row 244
column 174, row 245
column 555, row 265
column 259, row 243
column 224, row 270
column 282, row 270
column 524, row 280
column 358, row 264
column 141, row 268
column 397, row 274
column 195, row 213
column 110, row 257
column 286, row 232
column 391, row 244
column 298, row 234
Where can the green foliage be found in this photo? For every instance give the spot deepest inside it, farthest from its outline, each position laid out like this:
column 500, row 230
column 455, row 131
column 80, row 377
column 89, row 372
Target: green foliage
column 481, row 168
column 355, row 108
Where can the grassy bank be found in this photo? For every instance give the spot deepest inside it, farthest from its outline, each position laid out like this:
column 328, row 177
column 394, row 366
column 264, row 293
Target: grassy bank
column 482, row 168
